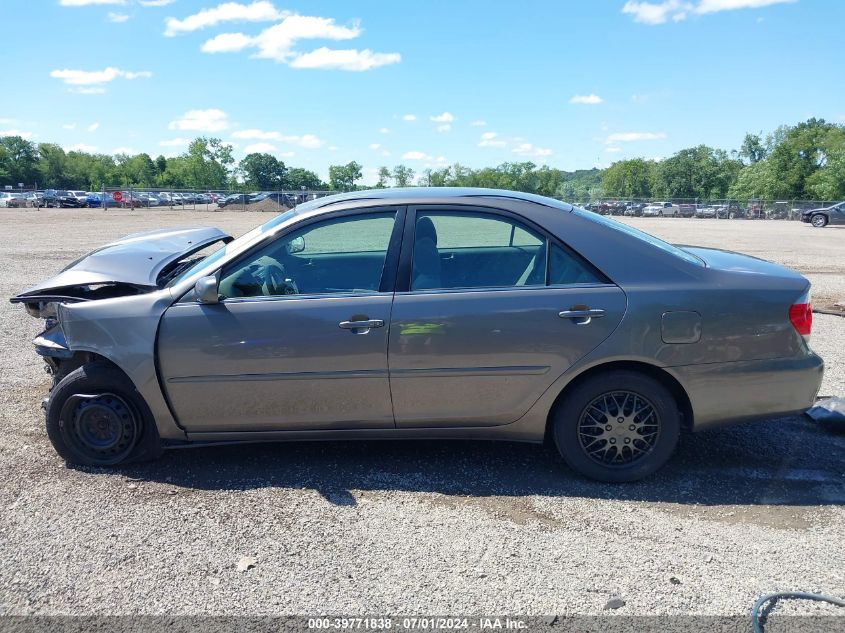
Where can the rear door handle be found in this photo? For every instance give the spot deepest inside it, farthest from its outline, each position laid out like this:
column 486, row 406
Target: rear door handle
column 582, row 317
column 361, row 325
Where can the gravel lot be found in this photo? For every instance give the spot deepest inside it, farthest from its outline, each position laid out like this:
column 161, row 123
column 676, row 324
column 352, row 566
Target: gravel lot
column 390, row 527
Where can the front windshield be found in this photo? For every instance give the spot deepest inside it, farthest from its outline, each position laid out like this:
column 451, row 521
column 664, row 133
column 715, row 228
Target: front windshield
column 234, row 245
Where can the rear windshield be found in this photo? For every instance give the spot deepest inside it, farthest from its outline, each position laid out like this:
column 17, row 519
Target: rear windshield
column 640, row 235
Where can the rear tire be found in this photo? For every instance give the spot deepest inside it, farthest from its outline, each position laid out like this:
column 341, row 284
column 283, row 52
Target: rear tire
column 617, row 426
column 112, row 427
column 819, row 221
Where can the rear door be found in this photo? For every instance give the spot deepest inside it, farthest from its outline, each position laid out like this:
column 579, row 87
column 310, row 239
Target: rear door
column 489, row 312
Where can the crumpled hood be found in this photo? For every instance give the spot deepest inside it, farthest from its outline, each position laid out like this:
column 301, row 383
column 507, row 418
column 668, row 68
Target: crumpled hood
column 136, row 259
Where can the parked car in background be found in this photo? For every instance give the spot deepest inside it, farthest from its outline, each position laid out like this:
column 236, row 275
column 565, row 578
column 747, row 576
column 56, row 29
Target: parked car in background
column 82, row 196
column 95, row 200
column 34, row 198
column 635, row 209
column 686, row 210
column 5, row 197
column 58, row 198
column 660, row 209
column 239, row 199
column 325, row 323
column 729, row 211
column 834, row 214
column 706, row 211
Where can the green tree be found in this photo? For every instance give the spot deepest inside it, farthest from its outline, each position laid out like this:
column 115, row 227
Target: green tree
column 343, row 177
column 383, row 177
column 207, row 163
column 263, row 171
column 52, row 165
column 753, row 149
column 629, row 178
column 298, row 178
column 800, row 152
column 402, row 175
column 18, row 160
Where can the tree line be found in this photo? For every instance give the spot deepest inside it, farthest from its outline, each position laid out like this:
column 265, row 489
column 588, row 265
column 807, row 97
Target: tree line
column 804, row 161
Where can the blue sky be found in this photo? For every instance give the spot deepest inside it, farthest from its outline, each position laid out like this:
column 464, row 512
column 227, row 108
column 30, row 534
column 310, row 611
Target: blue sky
column 568, row 83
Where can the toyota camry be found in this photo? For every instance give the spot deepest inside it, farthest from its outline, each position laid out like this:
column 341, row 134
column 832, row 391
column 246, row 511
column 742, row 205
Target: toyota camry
column 419, row 313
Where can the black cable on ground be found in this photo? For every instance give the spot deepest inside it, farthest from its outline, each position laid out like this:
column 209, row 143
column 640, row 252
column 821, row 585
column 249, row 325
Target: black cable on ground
column 789, row 595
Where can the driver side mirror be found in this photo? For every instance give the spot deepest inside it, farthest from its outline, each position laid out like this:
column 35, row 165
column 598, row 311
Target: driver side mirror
column 296, row 245
column 206, row 290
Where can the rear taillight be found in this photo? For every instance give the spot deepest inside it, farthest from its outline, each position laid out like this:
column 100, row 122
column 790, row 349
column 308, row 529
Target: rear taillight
column 801, row 316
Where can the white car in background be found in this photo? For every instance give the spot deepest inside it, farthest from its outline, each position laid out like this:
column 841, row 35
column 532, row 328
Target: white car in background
column 5, row 197
column 82, row 196
column 660, row 209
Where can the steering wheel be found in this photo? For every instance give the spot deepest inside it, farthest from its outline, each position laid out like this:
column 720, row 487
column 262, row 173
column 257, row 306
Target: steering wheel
column 275, row 281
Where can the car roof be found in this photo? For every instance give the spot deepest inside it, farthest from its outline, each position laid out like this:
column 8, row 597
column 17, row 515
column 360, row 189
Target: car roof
column 423, row 194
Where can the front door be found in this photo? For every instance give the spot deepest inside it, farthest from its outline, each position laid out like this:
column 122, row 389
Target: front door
column 495, row 311
column 299, row 338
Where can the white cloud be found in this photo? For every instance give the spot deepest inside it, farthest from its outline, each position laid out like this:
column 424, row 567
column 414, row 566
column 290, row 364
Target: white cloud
column 679, row 10
column 346, row 59
column 384, row 130
column 85, row 3
column 478, row 123
column 373, row 146
column 226, row 43
column 93, row 127
column 713, row 6
column 491, row 139
column 125, row 150
column 444, row 128
column 657, row 13
column 440, row 161
column 255, row 134
column 260, row 11
column 278, row 41
column 308, row 141
column 416, row 156
column 117, row 17
column 260, row 148
column 409, row 117
column 630, row 137
column 211, row 120
column 65, row 126
column 82, row 147
column 446, row 117
column 590, row 99
column 20, row 133
column 155, row 3
column 174, row 142
column 94, row 79
column 612, row 149
column 527, row 149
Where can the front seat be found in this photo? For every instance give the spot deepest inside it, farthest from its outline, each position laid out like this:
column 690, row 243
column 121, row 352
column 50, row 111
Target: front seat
column 426, row 270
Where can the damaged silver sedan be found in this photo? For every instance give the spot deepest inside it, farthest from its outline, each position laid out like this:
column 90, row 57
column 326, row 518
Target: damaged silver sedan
column 419, row 313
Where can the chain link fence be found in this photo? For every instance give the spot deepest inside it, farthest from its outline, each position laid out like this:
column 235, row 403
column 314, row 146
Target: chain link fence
column 730, row 209
column 277, row 201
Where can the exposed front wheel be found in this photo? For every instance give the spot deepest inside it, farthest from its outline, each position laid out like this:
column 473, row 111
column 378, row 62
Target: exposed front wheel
column 818, row 221
column 95, row 417
column 617, row 426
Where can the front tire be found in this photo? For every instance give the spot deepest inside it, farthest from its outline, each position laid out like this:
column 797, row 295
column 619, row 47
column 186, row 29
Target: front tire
column 819, row 221
column 96, row 417
column 617, row 426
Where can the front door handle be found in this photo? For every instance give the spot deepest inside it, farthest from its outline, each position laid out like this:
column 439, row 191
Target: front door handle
column 361, row 326
column 582, row 316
